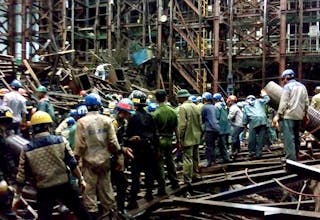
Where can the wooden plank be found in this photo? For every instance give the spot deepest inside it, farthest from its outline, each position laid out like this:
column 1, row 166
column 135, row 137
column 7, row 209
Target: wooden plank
column 30, row 71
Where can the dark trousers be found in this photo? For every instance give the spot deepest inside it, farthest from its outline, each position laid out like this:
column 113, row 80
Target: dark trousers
column 120, row 181
column 64, row 193
column 149, row 163
column 210, row 138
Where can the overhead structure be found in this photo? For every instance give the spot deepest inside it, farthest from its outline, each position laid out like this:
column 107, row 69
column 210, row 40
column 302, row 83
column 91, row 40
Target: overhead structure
column 231, row 46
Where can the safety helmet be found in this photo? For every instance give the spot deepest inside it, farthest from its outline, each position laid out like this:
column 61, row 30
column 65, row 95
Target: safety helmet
column 40, row 117
column 23, row 92
column 287, row 73
column 217, row 96
column 138, row 97
column 232, row 98
column 42, row 89
column 3, row 187
column 70, row 121
column 92, row 99
column 83, row 93
column 73, row 112
column 193, row 98
column 112, row 105
column 183, row 93
column 6, row 115
column 16, row 84
column 4, row 91
column 199, row 99
column 125, row 104
column 207, row 96
column 152, row 106
column 250, row 99
column 81, row 110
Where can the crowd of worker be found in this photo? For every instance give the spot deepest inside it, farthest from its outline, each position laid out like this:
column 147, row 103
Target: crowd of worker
column 88, row 151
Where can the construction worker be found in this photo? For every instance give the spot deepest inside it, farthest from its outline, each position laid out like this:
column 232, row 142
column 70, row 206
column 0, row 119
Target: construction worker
column 63, row 128
column 142, row 138
column 315, row 101
column 124, row 111
column 48, row 158
column 95, row 143
column 210, row 127
column 255, row 116
column 17, row 103
column 235, row 117
column 44, row 103
column 80, row 111
column 224, row 126
column 166, row 121
column 189, row 129
column 7, row 167
column 292, row 110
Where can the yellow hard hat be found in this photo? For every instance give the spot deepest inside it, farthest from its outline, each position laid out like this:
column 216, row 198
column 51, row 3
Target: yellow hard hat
column 3, row 187
column 40, row 117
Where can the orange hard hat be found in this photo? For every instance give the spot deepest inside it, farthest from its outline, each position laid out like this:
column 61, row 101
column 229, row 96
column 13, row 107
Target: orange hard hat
column 83, row 93
column 4, row 91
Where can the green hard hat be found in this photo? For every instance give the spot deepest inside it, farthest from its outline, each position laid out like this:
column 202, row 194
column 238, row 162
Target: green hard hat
column 183, row 93
column 42, row 89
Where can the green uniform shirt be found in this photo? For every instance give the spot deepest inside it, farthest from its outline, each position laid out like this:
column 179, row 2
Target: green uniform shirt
column 166, row 120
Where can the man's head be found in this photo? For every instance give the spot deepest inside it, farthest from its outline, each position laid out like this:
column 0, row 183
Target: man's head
column 15, row 84
column 232, row 99
column 40, row 121
column 183, row 95
column 287, row 75
column 207, row 97
column 125, row 108
column 138, row 98
column 317, row 89
column 41, row 91
column 161, row 95
column 93, row 102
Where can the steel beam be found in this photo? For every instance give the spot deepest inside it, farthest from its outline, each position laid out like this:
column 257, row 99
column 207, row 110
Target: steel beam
column 235, row 208
column 303, row 170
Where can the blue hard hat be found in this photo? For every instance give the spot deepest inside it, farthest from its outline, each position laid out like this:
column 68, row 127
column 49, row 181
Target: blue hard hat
column 287, row 73
column 217, row 96
column 92, row 99
column 193, row 98
column 73, row 112
column 207, row 96
column 16, row 84
column 82, row 110
column 70, row 121
column 152, row 107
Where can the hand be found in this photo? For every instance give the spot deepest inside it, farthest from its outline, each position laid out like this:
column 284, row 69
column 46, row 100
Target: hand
column 82, row 185
column 275, row 122
column 263, row 93
column 128, row 152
